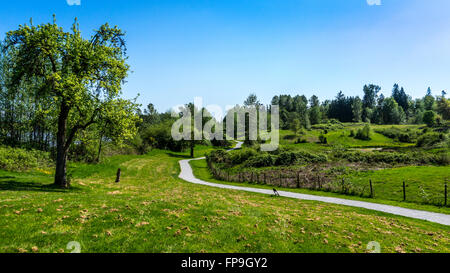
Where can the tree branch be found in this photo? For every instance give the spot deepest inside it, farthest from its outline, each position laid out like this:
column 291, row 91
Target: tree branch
column 78, row 127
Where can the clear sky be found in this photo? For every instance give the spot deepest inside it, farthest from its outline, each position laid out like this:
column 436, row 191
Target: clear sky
column 222, row 50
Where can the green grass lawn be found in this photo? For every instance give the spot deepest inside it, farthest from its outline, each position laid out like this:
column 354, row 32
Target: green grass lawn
column 152, row 210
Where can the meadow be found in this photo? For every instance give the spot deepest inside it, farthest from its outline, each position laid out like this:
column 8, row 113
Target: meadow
column 152, row 210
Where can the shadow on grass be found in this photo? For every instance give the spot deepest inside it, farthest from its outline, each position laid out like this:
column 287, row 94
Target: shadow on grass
column 179, row 156
column 7, row 183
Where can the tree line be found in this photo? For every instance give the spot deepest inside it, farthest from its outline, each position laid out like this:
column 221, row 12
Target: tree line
column 374, row 108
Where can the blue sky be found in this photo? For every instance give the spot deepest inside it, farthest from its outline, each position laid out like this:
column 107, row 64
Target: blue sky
column 222, row 50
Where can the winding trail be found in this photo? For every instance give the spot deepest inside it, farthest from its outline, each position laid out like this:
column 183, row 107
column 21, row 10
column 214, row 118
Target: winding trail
column 444, row 219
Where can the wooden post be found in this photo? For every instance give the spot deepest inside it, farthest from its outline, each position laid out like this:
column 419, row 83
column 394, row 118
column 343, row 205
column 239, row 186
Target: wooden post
column 371, row 189
column 318, row 182
column 404, row 191
column 298, row 180
column 265, row 179
column 119, row 172
column 279, row 184
column 445, row 192
column 343, row 185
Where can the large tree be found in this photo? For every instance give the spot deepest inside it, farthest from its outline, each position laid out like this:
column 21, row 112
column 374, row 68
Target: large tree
column 81, row 77
column 314, row 112
column 400, row 97
column 370, row 95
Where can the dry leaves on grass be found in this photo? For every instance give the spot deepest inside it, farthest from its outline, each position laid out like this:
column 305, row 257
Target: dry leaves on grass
column 142, row 224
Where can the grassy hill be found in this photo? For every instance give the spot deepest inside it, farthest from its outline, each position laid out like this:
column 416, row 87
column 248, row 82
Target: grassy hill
column 152, row 210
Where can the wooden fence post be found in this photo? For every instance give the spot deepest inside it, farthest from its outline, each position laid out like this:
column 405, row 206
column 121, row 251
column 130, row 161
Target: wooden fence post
column 265, row 179
column 371, row 189
column 298, row 180
column 404, row 191
column 343, row 185
column 279, row 184
column 445, row 192
column 119, row 172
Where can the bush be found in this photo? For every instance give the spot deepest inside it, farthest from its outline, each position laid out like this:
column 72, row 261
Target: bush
column 15, row 159
column 260, row 161
column 406, row 138
column 83, row 152
column 240, row 156
column 301, row 141
column 218, row 156
column 221, row 143
column 364, row 133
column 159, row 136
column 430, row 139
column 429, row 117
column 331, row 125
column 323, row 139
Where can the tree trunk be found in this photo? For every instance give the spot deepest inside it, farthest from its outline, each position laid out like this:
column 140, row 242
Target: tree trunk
column 99, row 149
column 192, row 148
column 61, row 149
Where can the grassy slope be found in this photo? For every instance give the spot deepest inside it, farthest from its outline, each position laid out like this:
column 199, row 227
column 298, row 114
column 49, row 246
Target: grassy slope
column 151, row 210
column 342, row 137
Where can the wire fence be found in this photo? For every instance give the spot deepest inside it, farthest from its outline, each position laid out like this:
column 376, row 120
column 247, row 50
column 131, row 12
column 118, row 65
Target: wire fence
column 294, row 179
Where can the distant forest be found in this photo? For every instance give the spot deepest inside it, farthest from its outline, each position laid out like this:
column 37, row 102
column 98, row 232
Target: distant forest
column 374, row 108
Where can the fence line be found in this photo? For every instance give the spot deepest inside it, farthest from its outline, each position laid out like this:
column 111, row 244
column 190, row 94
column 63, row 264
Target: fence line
column 287, row 178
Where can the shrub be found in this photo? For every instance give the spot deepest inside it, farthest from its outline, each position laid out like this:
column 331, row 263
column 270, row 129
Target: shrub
column 406, row 138
column 430, row 139
column 331, row 125
column 83, row 152
column 301, row 141
column 323, row 139
column 15, row 159
column 240, row 156
column 221, row 143
column 364, row 133
column 218, row 156
column 429, row 117
column 159, row 136
column 259, row 161
column 285, row 159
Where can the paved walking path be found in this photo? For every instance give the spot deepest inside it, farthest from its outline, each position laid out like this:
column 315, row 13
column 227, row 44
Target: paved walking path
column 444, row 219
